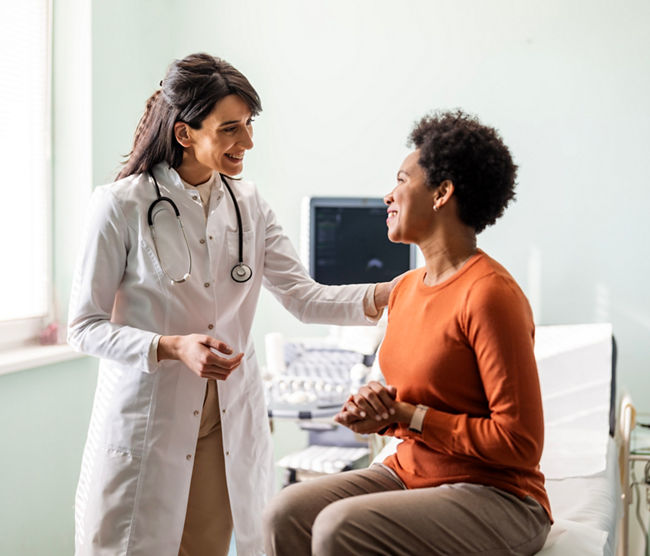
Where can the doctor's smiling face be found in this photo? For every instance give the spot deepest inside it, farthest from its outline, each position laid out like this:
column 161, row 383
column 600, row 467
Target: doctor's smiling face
column 410, row 215
column 219, row 144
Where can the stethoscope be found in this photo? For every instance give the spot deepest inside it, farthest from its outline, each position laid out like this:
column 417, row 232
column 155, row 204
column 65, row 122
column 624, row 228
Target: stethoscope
column 241, row 272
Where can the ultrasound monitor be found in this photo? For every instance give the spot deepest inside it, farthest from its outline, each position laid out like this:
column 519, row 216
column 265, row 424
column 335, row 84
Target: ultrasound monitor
column 347, row 242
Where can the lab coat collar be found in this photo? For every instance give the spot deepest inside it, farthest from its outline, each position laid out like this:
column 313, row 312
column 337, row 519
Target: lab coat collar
column 168, row 177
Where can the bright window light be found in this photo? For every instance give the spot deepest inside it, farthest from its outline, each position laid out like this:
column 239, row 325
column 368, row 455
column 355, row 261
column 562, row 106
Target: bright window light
column 25, row 225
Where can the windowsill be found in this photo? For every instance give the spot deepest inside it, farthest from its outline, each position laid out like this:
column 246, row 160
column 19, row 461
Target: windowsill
column 30, row 356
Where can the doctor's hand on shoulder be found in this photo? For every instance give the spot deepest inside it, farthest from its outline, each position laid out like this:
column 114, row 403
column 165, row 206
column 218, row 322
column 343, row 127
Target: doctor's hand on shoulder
column 384, row 289
column 200, row 354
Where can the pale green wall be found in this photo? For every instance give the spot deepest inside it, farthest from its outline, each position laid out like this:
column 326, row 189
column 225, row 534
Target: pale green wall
column 44, row 415
column 341, row 82
column 132, row 44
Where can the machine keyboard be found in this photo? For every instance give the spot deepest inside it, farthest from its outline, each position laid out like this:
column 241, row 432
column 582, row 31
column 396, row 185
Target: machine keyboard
column 314, row 376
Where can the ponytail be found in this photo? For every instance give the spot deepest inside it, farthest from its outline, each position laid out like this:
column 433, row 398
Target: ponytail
column 141, row 158
column 144, row 122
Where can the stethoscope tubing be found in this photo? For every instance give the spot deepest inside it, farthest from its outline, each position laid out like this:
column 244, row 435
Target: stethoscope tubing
column 160, row 199
column 241, row 272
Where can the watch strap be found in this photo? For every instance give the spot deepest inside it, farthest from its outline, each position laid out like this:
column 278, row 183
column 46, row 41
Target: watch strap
column 417, row 419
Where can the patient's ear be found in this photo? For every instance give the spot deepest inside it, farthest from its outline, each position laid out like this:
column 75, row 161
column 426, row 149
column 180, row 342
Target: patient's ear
column 443, row 193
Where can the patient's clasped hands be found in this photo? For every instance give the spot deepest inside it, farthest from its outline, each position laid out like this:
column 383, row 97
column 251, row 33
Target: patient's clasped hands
column 373, row 408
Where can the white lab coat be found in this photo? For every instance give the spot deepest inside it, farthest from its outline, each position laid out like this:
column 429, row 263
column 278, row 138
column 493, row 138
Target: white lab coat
column 137, row 463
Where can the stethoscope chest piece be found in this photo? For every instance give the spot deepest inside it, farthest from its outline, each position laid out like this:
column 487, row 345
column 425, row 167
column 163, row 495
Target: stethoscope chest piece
column 241, row 272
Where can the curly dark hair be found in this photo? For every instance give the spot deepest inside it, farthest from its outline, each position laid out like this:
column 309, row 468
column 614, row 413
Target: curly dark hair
column 455, row 146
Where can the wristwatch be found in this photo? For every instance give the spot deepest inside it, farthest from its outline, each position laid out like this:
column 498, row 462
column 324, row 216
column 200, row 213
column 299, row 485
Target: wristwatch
column 417, row 420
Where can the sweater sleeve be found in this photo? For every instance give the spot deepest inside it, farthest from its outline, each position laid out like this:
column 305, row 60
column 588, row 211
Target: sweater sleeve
column 498, row 325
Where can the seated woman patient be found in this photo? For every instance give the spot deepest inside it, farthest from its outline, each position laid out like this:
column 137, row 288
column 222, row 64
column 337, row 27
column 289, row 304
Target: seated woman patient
column 462, row 387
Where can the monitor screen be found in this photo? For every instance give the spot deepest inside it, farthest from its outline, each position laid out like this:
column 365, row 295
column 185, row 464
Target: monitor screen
column 348, row 242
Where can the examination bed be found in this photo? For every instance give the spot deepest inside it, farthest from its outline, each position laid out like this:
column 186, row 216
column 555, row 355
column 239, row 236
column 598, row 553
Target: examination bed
column 580, row 460
column 577, row 370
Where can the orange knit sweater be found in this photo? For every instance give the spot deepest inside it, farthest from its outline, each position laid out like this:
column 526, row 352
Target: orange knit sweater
column 464, row 348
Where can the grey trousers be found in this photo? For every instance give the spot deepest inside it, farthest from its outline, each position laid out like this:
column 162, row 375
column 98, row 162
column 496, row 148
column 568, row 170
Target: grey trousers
column 369, row 511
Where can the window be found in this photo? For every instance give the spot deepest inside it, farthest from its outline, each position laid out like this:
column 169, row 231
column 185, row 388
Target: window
column 25, row 225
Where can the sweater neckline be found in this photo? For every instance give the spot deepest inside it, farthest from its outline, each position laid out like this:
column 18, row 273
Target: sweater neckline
column 469, row 263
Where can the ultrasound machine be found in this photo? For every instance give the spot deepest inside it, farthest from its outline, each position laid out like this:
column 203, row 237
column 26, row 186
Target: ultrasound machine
column 343, row 241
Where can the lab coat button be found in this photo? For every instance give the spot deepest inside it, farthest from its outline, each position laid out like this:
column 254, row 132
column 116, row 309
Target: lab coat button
column 188, row 457
column 210, row 237
column 210, row 326
column 207, row 284
column 201, row 240
column 194, row 197
column 196, row 412
column 227, row 453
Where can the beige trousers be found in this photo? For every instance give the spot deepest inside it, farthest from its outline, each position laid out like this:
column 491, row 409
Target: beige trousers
column 368, row 511
column 208, row 521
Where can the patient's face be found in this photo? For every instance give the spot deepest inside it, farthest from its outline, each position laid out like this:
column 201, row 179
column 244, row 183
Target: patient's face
column 410, row 204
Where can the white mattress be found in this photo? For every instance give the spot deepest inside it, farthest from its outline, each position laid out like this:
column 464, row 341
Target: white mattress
column 586, row 512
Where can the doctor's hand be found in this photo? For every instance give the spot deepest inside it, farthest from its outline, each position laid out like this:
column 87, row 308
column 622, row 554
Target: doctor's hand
column 383, row 289
column 197, row 351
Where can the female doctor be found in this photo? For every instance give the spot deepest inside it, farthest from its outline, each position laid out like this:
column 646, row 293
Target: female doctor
column 174, row 256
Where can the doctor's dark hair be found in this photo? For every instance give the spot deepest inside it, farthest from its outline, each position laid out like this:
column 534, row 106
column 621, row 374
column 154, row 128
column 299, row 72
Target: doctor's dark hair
column 188, row 93
column 455, row 146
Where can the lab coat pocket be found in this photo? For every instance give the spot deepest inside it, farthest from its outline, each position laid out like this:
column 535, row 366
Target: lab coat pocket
column 112, row 523
column 130, row 411
column 151, row 261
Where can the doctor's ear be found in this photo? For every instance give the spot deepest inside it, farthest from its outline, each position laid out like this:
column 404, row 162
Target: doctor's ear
column 182, row 134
